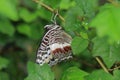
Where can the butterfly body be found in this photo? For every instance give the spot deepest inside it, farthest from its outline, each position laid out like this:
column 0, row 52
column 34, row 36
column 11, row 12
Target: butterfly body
column 55, row 46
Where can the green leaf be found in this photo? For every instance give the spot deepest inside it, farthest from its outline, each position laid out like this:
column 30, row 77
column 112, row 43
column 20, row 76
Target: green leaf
column 33, row 77
column 4, row 76
column 72, row 19
column 116, row 75
column 110, row 25
column 8, row 9
column 3, row 63
column 79, row 45
column 99, row 75
column 68, row 2
column 53, row 3
column 84, row 35
column 83, row 10
column 37, row 72
column 74, row 73
column 27, row 16
column 44, row 14
column 109, row 53
column 88, row 7
column 24, row 29
column 6, row 27
column 102, row 75
column 34, row 31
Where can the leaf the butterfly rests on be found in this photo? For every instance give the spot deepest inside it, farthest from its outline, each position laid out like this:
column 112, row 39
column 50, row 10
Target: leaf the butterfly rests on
column 55, row 46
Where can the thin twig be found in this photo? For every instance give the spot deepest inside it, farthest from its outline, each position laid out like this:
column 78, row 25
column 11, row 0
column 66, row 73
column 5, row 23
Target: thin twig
column 114, row 68
column 49, row 8
column 113, row 2
column 101, row 64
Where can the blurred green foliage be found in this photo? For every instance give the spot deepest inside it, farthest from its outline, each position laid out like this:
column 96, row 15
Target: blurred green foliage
column 79, row 43
column 74, row 73
column 94, row 26
column 37, row 72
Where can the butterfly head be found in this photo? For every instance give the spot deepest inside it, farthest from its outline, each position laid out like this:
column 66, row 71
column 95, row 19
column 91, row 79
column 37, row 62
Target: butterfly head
column 52, row 26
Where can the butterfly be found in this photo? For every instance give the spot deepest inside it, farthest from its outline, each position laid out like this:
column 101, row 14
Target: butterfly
column 55, row 46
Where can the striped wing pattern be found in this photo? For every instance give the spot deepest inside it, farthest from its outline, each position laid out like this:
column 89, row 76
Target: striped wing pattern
column 55, row 46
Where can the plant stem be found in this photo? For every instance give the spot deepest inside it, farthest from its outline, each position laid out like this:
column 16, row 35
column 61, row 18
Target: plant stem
column 116, row 68
column 49, row 8
column 101, row 64
column 114, row 3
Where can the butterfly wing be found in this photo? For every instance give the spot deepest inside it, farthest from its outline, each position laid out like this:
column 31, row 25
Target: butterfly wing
column 43, row 53
column 60, row 47
column 55, row 47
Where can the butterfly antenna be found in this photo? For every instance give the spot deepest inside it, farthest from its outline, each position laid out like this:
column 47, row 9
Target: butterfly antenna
column 54, row 16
